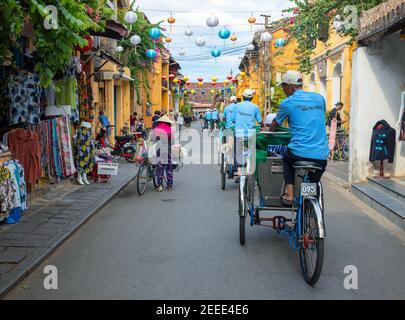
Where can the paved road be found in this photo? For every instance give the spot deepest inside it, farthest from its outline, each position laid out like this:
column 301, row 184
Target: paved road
column 184, row 245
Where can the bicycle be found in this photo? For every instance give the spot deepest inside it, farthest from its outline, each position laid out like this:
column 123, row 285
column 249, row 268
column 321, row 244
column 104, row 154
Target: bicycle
column 146, row 174
column 342, row 147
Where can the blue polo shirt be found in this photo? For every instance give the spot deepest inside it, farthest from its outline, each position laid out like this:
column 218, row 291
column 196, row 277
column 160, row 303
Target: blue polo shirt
column 228, row 114
column 214, row 115
column 208, row 115
column 104, row 120
column 245, row 117
column 305, row 112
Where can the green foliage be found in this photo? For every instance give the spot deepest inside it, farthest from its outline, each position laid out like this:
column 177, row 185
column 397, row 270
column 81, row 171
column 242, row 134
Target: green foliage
column 311, row 15
column 278, row 97
column 186, row 109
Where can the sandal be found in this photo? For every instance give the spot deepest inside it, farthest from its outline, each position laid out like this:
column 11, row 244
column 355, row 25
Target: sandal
column 284, row 201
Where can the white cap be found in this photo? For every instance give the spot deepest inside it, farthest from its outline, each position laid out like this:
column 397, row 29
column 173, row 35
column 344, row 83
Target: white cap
column 86, row 125
column 208, row 109
column 292, row 77
column 233, row 99
column 248, row 93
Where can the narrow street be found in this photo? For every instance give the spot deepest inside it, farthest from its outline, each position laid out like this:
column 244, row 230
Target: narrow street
column 184, row 245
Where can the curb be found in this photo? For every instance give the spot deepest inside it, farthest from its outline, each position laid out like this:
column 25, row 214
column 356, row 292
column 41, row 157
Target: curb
column 338, row 181
column 35, row 262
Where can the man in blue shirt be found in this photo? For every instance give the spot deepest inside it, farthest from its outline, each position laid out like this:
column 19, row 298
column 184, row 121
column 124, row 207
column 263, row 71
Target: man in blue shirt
column 229, row 113
column 305, row 112
column 214, row 118
column 105, row 123
column 207, row 117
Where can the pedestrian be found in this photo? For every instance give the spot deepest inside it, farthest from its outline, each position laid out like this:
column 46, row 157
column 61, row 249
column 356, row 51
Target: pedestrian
column 155, row 118
column 105, row 122
column 335, row 114
column 163, row 134
column 180, row 121
column 141, row 127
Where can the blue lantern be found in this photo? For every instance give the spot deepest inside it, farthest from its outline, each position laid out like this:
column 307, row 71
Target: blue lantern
column 280, row 42
column 224, row 33
column 202, row 91
column 215, row 53
column 155, row 33
column 151, row 53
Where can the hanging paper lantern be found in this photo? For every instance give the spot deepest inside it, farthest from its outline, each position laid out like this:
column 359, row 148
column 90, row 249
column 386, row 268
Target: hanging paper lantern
column 164, row 78
column 192, row 92
column 216, row 52
column 212, row 21
column 226, row 82
column 296, row 11
column 234, row 80
column 168, row 39
column 182, row 52
column 135, row 39
column 188, row 83
column 292, row 19
column 171, row 76
column 252, row 19
column 175, row 81
column 232, row 88
column 280, row 42
column 200, row 41
column 220, row 91
column 214, row 79
column 171, row 20
column 224, row 33
column 212, row 91
column 266, row 37
column 202, row 91
column 213, row 84
column 233, row 37
column 188, row 32
column 229, row 77
column 155, row 33
column 131, row 17
column 185, row 78
column 200, row 84
column 151, row 53
column 200, row 79
column 250, row 47
column 87, row 47
column 119, row 49
column 185, row 92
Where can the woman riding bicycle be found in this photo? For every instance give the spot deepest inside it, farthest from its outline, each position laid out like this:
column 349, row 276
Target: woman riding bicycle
column 163, row 134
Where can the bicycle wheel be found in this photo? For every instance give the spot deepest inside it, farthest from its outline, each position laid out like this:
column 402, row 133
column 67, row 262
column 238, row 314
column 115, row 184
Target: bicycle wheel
column 143, row 178
column 223, row 172
column 156, row 179
column 346, row 149
column 312, row 247
column 130, row 154
column 242, row 210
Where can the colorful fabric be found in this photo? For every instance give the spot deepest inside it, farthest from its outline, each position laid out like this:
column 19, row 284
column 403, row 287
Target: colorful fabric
column 22, row 185
column 56, row 163
column 15, row 181
column 66, row 147
column 7, row 192
column 85, row 150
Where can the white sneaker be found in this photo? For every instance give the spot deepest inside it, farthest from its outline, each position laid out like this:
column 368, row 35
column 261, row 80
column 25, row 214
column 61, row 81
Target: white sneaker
column 79, row 179
column 159, row 189
column 85, row 178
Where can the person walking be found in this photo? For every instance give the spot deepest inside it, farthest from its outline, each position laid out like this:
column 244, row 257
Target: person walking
column 180, row 121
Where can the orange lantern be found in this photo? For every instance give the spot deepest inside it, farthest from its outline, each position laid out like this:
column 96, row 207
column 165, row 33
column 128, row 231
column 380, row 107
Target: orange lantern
column 233, row 37
column 252, row 21
column 168, row 39
column 200, row 84
column 213, row 83
column 171, row 20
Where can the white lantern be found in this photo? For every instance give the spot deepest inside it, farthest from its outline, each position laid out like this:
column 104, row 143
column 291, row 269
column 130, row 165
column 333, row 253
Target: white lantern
column 250, row 47
column 266, row 37
column 182, row 52
column 212, row 21
column 135, row 40
column 200, row 41
column 131, row 17
column 119, row 49
column 261, row 28
column 188, row 32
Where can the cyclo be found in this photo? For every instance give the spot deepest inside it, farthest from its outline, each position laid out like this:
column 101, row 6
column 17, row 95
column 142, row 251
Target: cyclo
column 226, row 151
column 261, row 178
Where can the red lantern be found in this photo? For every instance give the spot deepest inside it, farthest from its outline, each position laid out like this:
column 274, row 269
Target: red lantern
column 188, row 83
column 234, row 80
column 164, row 78
column 296, row 11
column 213, row 83
column 171, row 76
column 200, row 79
column 292, row 20
column 229, row 77
column 86, row 47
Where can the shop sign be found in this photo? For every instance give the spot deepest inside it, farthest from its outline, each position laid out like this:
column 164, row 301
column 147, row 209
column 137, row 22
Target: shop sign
column 107, row 168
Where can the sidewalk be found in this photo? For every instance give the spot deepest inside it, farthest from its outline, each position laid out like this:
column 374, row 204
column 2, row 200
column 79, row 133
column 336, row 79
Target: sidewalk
column 338, row 172
column 50, row 221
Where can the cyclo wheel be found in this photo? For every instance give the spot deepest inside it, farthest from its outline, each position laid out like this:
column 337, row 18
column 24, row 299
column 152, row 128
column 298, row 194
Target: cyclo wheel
column 130, row 154
column 143, row 178
column 155, row 177
column 346, row 149
column 242, row 209
column 312, row 247
column 223, row 172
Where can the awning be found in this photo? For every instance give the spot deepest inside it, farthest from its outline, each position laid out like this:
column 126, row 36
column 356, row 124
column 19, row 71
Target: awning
column 382, row 20
column 104, row 55
column 113, row 30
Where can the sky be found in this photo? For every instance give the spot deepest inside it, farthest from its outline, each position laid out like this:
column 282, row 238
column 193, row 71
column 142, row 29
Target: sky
column 192, row 14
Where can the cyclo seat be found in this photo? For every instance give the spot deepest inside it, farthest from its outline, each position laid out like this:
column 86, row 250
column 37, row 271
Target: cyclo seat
column 307, row 165
column 123, row 138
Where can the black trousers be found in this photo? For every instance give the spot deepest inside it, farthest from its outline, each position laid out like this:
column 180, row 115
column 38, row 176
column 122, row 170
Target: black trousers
column 288, row 162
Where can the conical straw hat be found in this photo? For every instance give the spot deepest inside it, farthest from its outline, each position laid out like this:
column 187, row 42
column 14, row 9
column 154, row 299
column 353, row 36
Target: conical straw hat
column 165, row 118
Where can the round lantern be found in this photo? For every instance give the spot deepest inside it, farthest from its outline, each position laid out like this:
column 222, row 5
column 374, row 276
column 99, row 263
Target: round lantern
column 182, row 52
column 135, row 39
column 226, row 82
column 171, row 20
column 280, row 42
column 119, row 49
column 175, row 81
column 229, row 77
column 87, row 47
column 200, row 79
column 234, row 80
column 130, row 17
column 224, row 33
column 252, row 19
column 185, row 92
column 265, row 37
column 200, row 41
column 213, row 84
column 250, row 47
column 168, row 39
column 214, row 79
column 212, row 21
column 202, row 91
column 232, row 88
column 185, row 78
column 155, row 33
column 171, row 76
column 200, row 84
column 192, row 92
column 164, row 78
column 220, row 91
column 212, row 91
column 188, row 83
column 233, row 37
column 188, row 32
column 215, row 53
column 151, row 53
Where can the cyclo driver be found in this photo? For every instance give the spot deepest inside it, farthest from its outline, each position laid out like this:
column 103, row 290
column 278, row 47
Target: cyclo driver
column 305, row 112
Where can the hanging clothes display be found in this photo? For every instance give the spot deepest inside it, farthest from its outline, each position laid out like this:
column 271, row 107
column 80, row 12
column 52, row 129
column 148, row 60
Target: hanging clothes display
column 85, row 100
column 6, row 193
column 85, row 149
column 68, row 165
column 382, row 142
column 25, row 145
column 24, row 93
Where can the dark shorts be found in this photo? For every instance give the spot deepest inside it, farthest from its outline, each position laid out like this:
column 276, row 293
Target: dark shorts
column 288, row 162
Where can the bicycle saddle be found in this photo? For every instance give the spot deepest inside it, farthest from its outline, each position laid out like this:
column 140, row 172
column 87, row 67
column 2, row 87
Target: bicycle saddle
column 307, row 165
